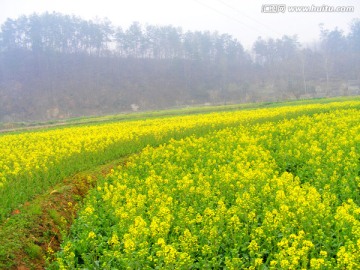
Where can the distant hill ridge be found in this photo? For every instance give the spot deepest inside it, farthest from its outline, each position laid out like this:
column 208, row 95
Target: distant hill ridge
column 55, row 66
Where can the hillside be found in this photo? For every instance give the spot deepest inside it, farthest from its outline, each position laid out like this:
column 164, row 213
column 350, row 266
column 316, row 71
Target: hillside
column 55, row 66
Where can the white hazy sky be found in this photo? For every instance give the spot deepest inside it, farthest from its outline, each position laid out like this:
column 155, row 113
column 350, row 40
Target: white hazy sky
column 242, row 19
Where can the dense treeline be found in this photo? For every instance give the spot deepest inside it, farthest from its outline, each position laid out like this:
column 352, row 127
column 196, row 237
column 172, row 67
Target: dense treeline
column 54, row 65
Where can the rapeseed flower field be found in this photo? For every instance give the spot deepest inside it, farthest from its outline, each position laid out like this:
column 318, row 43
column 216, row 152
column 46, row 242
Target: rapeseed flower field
column 263, row 189
column 32, row 162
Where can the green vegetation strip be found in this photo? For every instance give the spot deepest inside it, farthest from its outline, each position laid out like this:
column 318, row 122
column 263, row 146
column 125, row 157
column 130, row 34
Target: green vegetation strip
column 31, row 235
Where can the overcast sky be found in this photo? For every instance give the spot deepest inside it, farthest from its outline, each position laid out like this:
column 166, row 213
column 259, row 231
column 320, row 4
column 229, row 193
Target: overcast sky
column 242, row 19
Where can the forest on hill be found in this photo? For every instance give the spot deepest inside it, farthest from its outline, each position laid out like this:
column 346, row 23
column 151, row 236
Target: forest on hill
column 56, row 66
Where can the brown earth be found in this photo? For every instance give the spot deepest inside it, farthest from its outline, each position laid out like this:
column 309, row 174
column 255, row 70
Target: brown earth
column 41, row 237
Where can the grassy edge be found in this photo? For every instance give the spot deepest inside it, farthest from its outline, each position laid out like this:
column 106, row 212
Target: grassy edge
column 41, row 223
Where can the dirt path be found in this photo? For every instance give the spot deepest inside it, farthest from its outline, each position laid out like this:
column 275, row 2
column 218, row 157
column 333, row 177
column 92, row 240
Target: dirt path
column 35, row 230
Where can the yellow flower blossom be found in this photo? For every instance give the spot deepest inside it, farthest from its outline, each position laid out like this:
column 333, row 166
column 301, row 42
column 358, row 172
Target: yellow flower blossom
column 91, row 235
column 272, row 188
